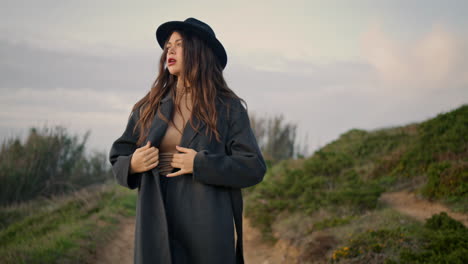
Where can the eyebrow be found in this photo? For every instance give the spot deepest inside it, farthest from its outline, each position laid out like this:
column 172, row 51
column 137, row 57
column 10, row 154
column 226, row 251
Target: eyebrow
column 174, row 41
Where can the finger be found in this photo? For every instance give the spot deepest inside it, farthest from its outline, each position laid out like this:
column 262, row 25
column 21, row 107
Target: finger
column 154, row 165
column 182, row 149
column 148, row 144
column 150, row 150
column 153, row 154
column 153, row 159
column 151, row 165
column 143, row 148
column 176, row 164
column 144, row 161
column 177, row 157
column 177, row 173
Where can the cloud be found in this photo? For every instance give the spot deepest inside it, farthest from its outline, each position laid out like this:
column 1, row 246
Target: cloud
column 102, row 112
column 436, row 60
column 391, row 84
column 26, row 65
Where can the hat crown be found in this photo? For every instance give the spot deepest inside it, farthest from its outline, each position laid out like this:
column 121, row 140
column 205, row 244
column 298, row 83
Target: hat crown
column 200, row 28
column 200, row 24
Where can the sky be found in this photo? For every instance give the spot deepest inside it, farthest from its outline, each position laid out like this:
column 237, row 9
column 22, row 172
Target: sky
column 326, row 66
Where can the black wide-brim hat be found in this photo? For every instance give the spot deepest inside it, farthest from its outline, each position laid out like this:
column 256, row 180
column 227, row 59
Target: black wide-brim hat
column 200, row 28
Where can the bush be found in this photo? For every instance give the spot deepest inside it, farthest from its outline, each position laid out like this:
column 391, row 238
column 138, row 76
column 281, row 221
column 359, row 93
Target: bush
column 444, row 137
column 440, row 240
column 373, row 246
column 326, row 181
column 446, row 180
column 327, row 163
column 444, row 240
column 49, row 162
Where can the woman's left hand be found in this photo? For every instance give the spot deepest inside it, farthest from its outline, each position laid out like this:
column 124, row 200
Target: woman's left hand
column 184, row 161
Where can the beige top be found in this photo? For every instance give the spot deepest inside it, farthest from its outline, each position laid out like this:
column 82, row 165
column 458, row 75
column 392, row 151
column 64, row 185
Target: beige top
column 174, row 131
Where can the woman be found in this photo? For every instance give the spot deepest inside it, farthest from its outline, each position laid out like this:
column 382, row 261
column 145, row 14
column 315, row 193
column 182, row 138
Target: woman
column 189, row 149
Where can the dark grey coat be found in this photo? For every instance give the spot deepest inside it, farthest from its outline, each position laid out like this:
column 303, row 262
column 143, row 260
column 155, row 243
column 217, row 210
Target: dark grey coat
column 189, row 218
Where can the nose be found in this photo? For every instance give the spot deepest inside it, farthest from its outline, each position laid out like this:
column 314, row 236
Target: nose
column 171, row 50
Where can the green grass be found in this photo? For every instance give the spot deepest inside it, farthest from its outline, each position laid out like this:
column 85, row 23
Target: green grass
column 63, row 229
column 352, row 171
column 340, row 184
column 332, row 222
column 402, row 240
column 326, row 181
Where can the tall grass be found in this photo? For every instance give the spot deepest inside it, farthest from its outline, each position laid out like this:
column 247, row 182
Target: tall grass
column 49, row 162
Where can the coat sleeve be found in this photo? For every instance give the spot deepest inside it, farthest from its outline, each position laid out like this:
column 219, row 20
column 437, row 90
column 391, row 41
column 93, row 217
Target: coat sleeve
column 121, row 153
column 242, row 165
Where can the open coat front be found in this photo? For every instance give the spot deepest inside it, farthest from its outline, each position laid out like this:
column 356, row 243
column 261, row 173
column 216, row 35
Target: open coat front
column 198, row 207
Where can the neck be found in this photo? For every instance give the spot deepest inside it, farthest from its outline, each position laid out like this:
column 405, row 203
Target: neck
column 182, row 86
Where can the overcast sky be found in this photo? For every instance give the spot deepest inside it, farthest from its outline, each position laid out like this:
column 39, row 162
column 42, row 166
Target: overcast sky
column 328, row 66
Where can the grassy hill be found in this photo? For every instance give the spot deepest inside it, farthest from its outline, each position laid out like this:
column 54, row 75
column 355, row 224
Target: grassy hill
column 64, row 229
column 340, row 184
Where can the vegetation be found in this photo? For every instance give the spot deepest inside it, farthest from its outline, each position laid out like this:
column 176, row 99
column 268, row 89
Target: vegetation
column 63, row 229
column 58, row 204
column 277, row 139
column 440, row 240
column 49, row 162
column 342, row 182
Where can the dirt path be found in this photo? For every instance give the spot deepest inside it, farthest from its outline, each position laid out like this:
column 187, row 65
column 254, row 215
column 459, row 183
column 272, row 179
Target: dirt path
column 120, row 249
column 420, row 209
column 258, row 252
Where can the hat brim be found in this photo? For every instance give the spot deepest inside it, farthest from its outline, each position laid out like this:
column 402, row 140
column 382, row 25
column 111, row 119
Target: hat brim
column 163, row 31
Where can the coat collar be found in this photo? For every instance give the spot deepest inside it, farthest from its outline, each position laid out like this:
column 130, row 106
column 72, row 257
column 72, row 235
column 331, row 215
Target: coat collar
column 159, row 126
column 166, row 97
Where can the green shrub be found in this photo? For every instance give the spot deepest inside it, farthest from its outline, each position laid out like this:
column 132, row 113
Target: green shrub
column 442, row 221
column 334, row 187
column 444, row 137
column 447, row 180
column 440, row 240
column 327, row 163
column 332, row 222
column 350, row 173
column 444, row 240
column 49, row 162
column 372, row 245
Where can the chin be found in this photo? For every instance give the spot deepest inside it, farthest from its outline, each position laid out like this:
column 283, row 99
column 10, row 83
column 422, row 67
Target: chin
column 176, row 73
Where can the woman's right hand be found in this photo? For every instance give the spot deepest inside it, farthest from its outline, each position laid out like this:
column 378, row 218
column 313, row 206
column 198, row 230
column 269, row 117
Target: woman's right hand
column 144, row 159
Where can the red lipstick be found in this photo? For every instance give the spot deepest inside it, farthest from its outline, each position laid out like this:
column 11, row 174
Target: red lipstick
column 171, row 61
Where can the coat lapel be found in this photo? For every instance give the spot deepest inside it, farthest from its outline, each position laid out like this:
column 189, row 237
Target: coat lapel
column 158, row 126
column 189, row 134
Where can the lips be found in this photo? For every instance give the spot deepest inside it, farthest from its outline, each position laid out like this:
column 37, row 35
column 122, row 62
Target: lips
column 171, row 61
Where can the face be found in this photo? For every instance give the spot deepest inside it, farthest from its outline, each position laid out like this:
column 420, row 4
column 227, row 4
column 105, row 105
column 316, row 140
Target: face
column 174, row 57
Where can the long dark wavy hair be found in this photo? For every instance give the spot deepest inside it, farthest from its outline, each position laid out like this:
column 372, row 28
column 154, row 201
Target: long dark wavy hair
column 203, row 72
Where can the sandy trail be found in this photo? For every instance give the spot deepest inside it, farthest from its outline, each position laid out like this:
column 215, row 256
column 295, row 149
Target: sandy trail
column 120, row 249
column 420, row 209
column 256, row 251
